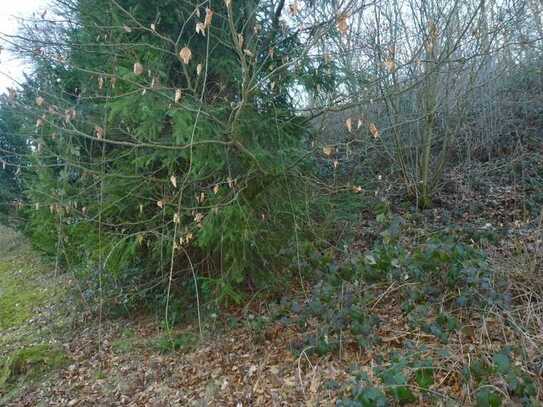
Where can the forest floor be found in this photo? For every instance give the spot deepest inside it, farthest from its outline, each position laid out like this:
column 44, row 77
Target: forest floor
column 295, row 351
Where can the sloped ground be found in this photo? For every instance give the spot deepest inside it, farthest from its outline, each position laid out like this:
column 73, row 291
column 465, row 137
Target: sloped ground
column 31, row 322
column 381, row 342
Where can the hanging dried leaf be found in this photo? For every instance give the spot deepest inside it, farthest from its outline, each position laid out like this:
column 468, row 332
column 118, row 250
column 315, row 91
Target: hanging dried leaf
column 39, row 101
column 173, row 180
column 153, row 27
column 178, row 95
column 99, row 132
column 335, row 163
column 216, row 188
column 141, row 208
column 359, row 124
column 374, row 130
column 230, row 182
column 294, row 8
column 100, row 82
column 349, row 125
column 328, row 150
column 155, row 82
column 390, row 65
column 138, row 69
column 113, row 82
column 208, row 18
column 39, row 122
column 69, row 114
column 198, row 218
column 200, row 28
column 185, row 54
column 186, row 239
column 175, row 218
column 342, row 24
column 127, row 29
column 248, row 53
column 199, row 68
column 240, row 40
column 227, row 3
column 12, row 94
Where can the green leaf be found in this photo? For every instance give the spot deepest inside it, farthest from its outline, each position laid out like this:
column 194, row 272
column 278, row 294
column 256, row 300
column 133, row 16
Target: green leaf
column 372, row 397
column 488, row 398
column 404, row 395
column 424, row 377
column 502, row 362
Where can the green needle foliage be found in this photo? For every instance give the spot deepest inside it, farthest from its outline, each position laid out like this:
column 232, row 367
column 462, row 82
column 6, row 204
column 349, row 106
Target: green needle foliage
column 163, row 145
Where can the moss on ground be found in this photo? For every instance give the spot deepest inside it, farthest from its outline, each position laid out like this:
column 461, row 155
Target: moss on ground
column 28, row 292
column 30, row 362
column 18, row 294
column 22, row 278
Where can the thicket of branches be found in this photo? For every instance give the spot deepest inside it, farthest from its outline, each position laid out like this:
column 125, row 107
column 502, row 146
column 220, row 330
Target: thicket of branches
column 186, row 150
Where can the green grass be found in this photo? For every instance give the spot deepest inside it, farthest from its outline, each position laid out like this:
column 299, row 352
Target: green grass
column 22, row 287
column 18, row 295
column 27, row 287
column 30, row 363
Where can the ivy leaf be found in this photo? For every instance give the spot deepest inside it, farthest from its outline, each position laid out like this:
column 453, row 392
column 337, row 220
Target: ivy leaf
column 424, row 377
column 502, row 362
column 488, row 398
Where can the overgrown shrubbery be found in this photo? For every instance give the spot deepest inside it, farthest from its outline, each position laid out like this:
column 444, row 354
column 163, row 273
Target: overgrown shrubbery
column 167, row 151
column 165, row 164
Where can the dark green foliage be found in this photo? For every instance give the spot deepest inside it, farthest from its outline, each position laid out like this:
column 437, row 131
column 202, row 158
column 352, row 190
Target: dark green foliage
column 149, row 197
column 13, row 148
column 500, row 368
column 366, row 397
column 488, row 398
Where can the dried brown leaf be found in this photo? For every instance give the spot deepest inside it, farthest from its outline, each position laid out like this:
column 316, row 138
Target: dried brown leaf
column 185, row 54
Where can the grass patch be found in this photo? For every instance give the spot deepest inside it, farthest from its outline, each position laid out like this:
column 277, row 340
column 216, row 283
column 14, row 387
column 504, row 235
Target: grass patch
column 30, row 363
column 24, row 281
column 28, row 324
column 20, row 290
column 19, row 295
